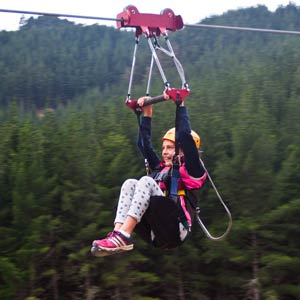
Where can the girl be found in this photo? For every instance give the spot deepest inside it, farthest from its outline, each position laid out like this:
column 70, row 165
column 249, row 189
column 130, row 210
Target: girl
column 159, row 207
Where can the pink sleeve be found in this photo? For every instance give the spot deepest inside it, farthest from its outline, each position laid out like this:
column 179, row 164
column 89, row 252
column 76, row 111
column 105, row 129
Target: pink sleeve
column 189, row 181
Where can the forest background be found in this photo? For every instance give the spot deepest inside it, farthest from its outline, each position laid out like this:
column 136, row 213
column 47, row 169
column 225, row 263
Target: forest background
column 67, row 142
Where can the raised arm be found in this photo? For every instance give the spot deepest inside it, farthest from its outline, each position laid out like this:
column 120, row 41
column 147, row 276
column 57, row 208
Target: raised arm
column 186, row 142
column 144, row 138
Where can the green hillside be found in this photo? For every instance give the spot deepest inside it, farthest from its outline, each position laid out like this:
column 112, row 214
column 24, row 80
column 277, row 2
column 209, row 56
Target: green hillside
column 67, row 142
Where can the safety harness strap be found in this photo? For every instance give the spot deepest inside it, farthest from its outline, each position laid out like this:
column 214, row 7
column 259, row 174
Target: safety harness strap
column 174, row 192
column 141, row 141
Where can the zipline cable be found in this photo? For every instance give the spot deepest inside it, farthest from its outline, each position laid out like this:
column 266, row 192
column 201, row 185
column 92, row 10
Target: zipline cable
column 277, row 31
column 58, row 15
column 243, row 28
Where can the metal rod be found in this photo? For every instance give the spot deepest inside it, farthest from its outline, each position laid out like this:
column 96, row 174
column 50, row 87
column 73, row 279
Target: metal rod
column 150, row 76
column 133, row 104
column 154, row 100
column 132, row 66
column 161, row 71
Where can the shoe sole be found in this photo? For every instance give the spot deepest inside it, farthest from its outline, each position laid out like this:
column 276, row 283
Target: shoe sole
column 102, row 251
column 122, row 248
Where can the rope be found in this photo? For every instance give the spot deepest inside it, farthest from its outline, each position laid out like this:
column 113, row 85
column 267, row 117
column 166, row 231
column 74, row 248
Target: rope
column 221, row 237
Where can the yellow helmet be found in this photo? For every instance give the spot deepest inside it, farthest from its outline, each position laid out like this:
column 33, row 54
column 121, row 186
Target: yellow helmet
column 170, row 135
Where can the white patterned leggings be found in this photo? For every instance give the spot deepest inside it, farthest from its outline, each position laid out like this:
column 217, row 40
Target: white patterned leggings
column 135, row 198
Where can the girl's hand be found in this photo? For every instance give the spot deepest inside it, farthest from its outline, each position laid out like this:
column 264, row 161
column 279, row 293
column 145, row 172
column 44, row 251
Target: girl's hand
column 166, row 96
column 147, row 110
column 141, row 101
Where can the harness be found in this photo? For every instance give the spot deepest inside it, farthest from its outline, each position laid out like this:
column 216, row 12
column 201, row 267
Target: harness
column 171, row 191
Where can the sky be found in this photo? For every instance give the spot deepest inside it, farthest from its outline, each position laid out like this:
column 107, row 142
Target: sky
column 192, row 11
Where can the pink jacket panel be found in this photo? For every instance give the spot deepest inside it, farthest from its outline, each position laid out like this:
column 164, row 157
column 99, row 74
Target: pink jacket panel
column 189, row 181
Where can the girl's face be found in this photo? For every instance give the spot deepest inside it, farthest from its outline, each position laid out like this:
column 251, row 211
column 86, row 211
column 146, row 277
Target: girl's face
column 168, row 151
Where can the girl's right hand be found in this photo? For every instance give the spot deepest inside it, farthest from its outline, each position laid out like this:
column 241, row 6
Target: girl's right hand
column 147, row 110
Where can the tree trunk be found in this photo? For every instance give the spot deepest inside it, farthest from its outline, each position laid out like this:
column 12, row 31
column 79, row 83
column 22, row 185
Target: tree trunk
column 255, row 268
column 54, row 281
column 253, row 292
column 180, row 286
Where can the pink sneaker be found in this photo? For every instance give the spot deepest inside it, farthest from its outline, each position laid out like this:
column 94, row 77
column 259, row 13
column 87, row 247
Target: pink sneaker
column 114, row 243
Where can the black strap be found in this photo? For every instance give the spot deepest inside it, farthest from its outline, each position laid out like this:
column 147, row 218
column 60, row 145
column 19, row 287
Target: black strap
column 176, row 158
column 175, row 172
column 141, row 140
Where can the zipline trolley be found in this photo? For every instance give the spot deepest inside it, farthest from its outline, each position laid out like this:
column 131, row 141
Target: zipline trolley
column 152, row 26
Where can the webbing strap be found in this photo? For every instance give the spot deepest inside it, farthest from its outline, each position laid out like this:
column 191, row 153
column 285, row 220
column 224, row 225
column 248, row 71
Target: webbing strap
column 176, row 175
column 175, row 168
column 174, row 182
column 141, row 142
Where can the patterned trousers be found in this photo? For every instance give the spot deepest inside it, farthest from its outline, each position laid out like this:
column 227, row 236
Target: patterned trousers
column 135, row 198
